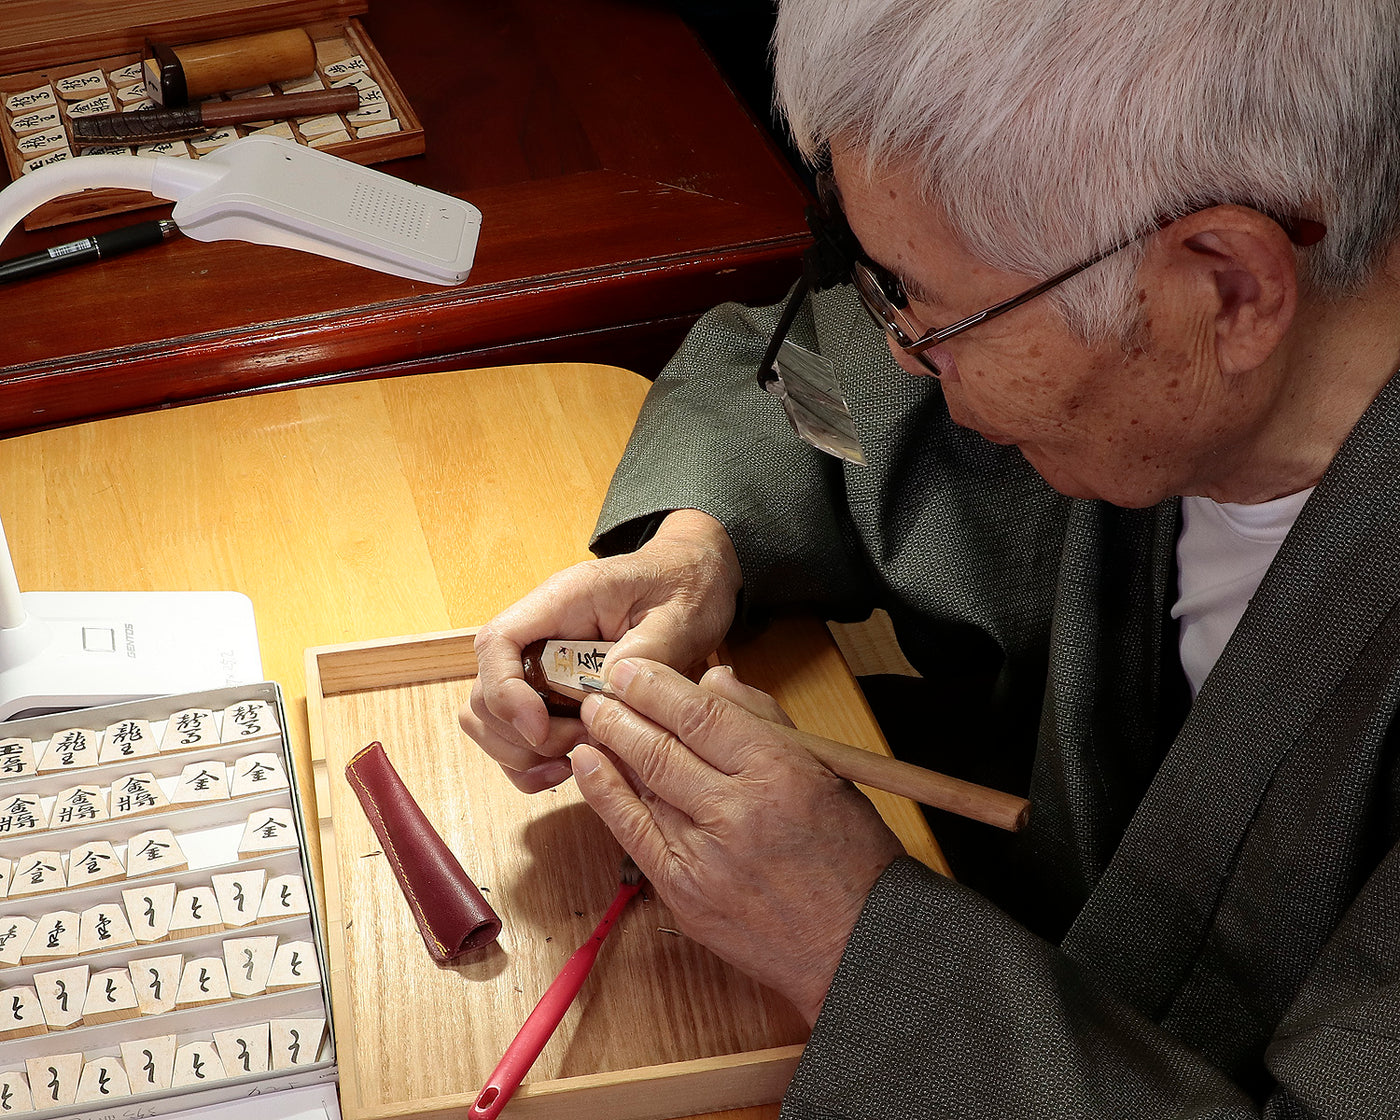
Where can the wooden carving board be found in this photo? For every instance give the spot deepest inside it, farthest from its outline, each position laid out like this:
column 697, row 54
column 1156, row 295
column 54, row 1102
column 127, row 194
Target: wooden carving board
column 661, row 1029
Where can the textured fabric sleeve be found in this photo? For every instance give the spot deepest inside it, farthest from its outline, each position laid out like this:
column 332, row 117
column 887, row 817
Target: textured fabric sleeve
column 709, row 438
column 943, row 1006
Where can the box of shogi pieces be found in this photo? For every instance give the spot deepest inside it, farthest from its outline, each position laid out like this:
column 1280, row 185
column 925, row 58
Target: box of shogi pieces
column 160, row 945
column 60, row 62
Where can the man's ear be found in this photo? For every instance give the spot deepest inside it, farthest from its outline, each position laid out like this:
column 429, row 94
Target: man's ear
column 1240, row 264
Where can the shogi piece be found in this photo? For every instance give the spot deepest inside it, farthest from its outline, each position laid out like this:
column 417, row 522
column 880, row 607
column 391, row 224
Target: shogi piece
column 70, row 750
column 110, row 997
column 157, row 982
column 203, row 981
column 197, row 1063
column 200, row 782
column 258, row 773
column 21, row 1015
column 22, row 812
column 14, row 1093
column 189, row 730
column 38, row 873
column 129, row 738
column 53, row 1081
column 245, row 1050
column 268, row 830
column 55, row 936
column 149, row 910
column 15, row 932
column 94, row 862
column 7, row 870
column 157, row 851
column 293, row 966
column 296, row 1042
column 85, row 804
column 136, row 794
column 103, row 1080
column 196, row 913
column 17, row 758
column 240, row 895
column 249, row 719
column 285, row 897
column 103, row 927
column 149, row 1062
column 62, row 993
column 248, row 961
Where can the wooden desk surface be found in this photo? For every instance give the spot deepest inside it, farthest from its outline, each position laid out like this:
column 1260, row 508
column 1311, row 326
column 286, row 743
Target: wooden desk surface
column 624, row 190
column 365, row 510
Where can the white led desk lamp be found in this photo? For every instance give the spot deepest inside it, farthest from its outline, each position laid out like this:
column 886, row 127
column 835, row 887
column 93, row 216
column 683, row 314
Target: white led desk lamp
column 73, row 649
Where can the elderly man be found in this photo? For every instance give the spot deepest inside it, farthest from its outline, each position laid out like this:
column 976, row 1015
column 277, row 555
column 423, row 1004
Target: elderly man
column 1150, row 249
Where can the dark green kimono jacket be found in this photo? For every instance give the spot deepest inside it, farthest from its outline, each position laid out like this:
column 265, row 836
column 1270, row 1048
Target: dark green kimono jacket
column 1203, row 917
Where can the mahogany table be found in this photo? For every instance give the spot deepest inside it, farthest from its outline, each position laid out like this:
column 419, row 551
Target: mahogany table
column 624, row 190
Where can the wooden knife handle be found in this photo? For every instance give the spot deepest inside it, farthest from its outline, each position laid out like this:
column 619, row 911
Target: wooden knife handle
column 279, row 106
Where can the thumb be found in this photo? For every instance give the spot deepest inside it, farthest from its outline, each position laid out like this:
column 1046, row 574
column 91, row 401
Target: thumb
column 722, row 681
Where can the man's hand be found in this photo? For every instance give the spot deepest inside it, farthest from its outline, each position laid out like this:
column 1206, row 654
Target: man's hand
column 672, row 600
column 762, row 853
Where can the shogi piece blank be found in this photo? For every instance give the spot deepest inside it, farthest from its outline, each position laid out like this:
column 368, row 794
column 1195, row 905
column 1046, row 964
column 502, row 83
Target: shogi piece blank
column 197, row 1063
column 296, row 1042
column 156, row 851
column 240, row 895
column 70, row 750
column 94, row 862
column 258, row 773
column 103, row 1080
column 15, row 932
column 128, row 738
column 21, row 1015
column 22, row 812
column 196, row 913
column 110, row 997
column 248, row 961
column 200, row 782
column 53, row 1081
column 268, row 830
column 38, row 873
column 149, row 910
column 55, row 936
column 203, row 981
column 150, row 1062
column 136, row 794
column 157, row 982
column 285, row 897
column 249, row 719
column 245, row 1050
column 103, row 927
column 189, row 730
column 85, row 804
column 14, row 1093
column 293, row 966
column 62, row 993
column 17, row 757
column 7, row 870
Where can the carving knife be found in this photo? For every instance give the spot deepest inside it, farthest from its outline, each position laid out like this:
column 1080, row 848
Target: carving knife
column 150, row 126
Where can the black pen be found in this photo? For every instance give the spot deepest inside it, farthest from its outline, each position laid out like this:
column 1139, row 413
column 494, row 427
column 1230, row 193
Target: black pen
column 98, row 247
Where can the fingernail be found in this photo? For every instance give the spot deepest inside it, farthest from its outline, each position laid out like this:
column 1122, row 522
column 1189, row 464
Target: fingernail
column 620, row 676
column 553, row 772
column 585, row 759
column 526, row 733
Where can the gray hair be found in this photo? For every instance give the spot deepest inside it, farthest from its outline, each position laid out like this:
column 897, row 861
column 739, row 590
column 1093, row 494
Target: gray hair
column 1051, row 129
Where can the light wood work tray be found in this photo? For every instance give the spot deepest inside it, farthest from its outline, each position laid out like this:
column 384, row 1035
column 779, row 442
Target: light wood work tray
column 661, row 1029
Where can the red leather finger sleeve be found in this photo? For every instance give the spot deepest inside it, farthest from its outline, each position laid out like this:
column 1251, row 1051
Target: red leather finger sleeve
column 451, row 914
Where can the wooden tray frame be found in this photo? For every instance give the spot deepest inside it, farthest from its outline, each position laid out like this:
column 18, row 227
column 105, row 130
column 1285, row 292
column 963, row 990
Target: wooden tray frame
column 371, row 675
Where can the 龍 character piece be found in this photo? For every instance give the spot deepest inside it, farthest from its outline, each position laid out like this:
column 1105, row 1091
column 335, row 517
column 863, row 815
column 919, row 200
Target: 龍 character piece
column 69, row 750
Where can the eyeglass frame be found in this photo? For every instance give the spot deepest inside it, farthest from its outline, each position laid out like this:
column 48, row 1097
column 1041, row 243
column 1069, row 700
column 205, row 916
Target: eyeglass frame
column 836, row 254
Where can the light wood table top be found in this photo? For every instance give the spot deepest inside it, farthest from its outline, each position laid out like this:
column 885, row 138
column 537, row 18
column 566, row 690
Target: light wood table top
column 365, row 510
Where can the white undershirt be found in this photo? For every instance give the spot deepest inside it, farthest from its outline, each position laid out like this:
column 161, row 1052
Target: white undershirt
column 1222, row 554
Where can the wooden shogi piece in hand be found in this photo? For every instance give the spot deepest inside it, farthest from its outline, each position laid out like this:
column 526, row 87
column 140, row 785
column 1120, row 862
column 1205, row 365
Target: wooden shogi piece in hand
column 149, row 1062
column 156, row 851
column 128, row 738
column 189, row 730
column 53, row 1080
column 21, row 1014
column 149, row 910
column 103, row 1079
column 245, row 1050
column 62, row 993
column 94, row 862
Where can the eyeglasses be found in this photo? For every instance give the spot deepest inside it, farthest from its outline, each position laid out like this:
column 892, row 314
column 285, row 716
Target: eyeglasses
column 806, row 382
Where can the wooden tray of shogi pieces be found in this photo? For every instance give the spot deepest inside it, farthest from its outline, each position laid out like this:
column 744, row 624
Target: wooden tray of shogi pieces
column 661, row 1029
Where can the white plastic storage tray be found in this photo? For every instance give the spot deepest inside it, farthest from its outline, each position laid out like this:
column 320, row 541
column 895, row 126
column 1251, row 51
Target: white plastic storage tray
column 159, row 940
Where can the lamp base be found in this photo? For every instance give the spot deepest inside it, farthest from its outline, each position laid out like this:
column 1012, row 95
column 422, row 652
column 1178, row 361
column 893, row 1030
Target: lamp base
column 77, row 649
